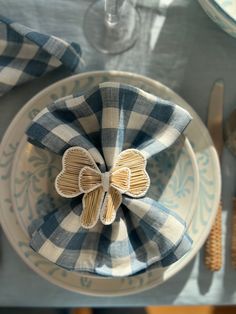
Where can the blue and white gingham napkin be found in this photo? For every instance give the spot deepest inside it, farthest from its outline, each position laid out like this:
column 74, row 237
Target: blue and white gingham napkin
column 26, row 54
column 106, row 120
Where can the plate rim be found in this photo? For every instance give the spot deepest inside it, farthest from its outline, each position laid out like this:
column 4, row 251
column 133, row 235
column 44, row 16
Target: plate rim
column 211, row 5
column 223, row 12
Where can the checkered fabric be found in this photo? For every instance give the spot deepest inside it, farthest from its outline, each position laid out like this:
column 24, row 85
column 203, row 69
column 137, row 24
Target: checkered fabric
column 26, row 54
column 106, row 120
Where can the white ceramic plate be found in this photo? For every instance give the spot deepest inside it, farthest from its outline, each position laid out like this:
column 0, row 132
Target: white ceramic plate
column 228, row 7
column 222, row 12
column 174, row 180
column 210, row 186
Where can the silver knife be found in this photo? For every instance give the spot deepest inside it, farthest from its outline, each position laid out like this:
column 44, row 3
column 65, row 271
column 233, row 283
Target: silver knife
column 215, row 116
column 213, row 247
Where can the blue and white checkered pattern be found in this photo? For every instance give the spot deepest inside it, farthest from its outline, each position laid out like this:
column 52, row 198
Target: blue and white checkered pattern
column 106, row 120
column 26, row 54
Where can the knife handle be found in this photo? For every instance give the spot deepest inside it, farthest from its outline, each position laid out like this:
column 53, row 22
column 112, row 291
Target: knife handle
column 233, row 236
column 213, row 246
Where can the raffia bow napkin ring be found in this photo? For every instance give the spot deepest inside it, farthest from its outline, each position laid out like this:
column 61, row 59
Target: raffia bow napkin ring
column 112, row 224
column 80, row 174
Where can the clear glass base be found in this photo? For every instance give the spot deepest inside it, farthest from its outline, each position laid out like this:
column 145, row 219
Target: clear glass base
column 108, row 37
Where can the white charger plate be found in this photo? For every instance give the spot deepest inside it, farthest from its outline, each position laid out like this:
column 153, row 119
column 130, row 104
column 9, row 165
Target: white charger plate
column 209, row 194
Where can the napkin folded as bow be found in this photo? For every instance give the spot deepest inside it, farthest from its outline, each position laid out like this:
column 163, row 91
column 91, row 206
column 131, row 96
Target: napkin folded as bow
column 26, row 54
column 106, row 121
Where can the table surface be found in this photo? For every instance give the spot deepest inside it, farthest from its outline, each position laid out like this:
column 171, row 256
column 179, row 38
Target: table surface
column 178, row 46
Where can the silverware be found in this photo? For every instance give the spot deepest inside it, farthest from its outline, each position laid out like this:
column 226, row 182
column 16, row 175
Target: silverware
column 213, row 247
column 230, row 141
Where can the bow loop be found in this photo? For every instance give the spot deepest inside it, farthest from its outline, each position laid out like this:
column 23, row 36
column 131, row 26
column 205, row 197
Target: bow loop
column 135, row 161
column 74, row 159
column 89, row 179
column 120, row 179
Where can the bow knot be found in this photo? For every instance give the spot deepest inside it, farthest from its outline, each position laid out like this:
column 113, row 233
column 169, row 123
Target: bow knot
column 102, row 191
column 90, row 179
column 105, row 181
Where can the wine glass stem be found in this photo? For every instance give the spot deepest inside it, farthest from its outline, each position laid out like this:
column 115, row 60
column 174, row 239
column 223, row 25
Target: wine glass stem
column 112, row 8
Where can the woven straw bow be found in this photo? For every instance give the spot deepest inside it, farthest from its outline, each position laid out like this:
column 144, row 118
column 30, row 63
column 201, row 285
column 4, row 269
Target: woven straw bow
column 102, row 191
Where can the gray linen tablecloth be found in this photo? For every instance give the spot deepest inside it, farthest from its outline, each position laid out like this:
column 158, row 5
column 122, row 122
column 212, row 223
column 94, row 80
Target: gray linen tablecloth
column 179, row 46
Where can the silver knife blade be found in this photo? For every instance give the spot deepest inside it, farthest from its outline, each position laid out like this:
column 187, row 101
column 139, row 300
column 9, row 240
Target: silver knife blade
column 215, row 115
